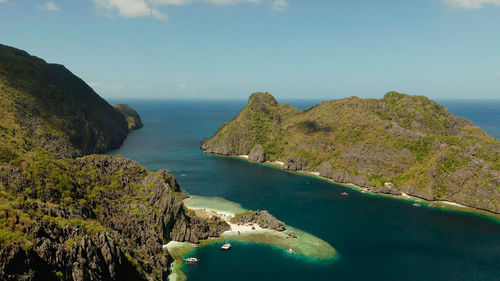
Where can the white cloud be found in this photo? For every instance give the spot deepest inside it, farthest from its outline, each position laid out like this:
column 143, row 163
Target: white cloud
column 127, row 8
column 49, row 6
column 150, row 8
column 470, row 4
column 98, row 85
column 280, row 5
column 3, row 1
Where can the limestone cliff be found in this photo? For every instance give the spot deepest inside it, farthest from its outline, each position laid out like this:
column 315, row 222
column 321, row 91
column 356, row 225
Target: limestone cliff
column 46, row 107
column 92, row 218
column 396, row 144
column 66, row 217
column 133, row 119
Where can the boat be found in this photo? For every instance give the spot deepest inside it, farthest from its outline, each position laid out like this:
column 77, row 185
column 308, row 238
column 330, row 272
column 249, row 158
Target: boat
column 416, row 205
column 191, row 260
column 344, row 193
column 226, row 246
column 290, row 251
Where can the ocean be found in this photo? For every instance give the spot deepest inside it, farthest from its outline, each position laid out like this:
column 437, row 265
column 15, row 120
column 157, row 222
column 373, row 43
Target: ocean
column 376, row 238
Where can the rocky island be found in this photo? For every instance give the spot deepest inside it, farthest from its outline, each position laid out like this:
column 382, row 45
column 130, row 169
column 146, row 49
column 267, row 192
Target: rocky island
column 68, row 214
column 399, row 145
column 133, row 119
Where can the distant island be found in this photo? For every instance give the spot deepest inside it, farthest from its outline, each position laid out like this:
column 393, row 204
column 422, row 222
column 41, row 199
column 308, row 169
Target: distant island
column 398, row 145
column 68, row 214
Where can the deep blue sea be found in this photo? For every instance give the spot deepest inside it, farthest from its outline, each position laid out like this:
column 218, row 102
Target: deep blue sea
column 376, row 238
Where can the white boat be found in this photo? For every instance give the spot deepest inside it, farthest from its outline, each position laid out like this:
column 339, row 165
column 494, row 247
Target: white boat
column 226, row 246
column 290, row 251
column 191, row 260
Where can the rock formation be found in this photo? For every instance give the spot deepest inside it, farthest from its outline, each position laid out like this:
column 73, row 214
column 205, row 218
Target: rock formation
column 93, row 218
column 411, row 142
column 67, row 217
column 133, row 119
column 257, row 154
column 262, row 218
column 294, row 164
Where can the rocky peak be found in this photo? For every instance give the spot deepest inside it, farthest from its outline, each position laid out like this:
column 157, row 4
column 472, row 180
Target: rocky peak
column 133, row 119
column 262, row 98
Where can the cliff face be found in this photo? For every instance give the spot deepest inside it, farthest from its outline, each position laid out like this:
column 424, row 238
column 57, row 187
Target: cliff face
column 92, row 218
column 397, row 144
column 133, row 119
column 69, row 218
column 44, row 106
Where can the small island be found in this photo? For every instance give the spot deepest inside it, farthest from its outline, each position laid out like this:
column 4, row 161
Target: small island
column 402, row 146
column 246, row 226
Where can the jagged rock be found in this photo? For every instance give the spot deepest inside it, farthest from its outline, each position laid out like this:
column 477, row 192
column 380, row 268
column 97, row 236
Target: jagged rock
column 387, row 188
column 89, row 218
column 294, row 164
column 133, row 119
column 135, row 213
column 257, row 154
column 262, row 218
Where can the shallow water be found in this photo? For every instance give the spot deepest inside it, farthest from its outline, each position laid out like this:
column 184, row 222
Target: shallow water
column 376, row 238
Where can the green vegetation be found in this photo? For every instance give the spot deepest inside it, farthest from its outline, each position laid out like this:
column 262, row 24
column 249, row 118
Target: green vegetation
column 44, row 107
column 237, row 216
column 408, row 140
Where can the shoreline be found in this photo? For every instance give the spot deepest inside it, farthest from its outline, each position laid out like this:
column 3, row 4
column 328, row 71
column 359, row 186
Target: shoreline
column 445, row 206
column 305, row 245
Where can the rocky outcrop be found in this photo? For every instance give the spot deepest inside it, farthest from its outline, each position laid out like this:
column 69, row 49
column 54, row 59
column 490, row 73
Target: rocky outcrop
column 133, row 119
column 262, row 218
column 387, row 188
column 409, row 141
column 294, row 164
column 257, row 154
column 107, row 222
column 342, row 176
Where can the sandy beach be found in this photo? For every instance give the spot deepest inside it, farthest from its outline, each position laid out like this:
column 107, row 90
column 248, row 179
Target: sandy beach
column 227, row 216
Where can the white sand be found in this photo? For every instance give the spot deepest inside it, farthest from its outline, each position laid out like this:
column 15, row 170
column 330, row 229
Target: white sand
column 279, row 162
column 227, row 216
column 172, row 244
column 453, row 204
column 242, row 228
column 243, row 156
column 314, row 173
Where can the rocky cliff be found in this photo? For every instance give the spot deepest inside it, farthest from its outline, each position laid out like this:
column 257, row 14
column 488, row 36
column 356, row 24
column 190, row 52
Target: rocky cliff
column 397, row 144
column 46, row 107
column 133, row 119
column 91, row 218
column 65, row 217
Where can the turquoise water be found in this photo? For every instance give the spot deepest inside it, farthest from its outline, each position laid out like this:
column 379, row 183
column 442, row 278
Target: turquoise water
column 376, row 238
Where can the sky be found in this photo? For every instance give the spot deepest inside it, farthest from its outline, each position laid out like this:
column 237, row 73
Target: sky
column 309, row 49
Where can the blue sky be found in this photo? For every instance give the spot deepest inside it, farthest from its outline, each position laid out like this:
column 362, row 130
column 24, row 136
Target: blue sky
column 291, row 48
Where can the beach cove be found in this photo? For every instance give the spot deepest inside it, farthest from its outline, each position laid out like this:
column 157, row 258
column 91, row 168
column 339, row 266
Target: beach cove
column 304, row 244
